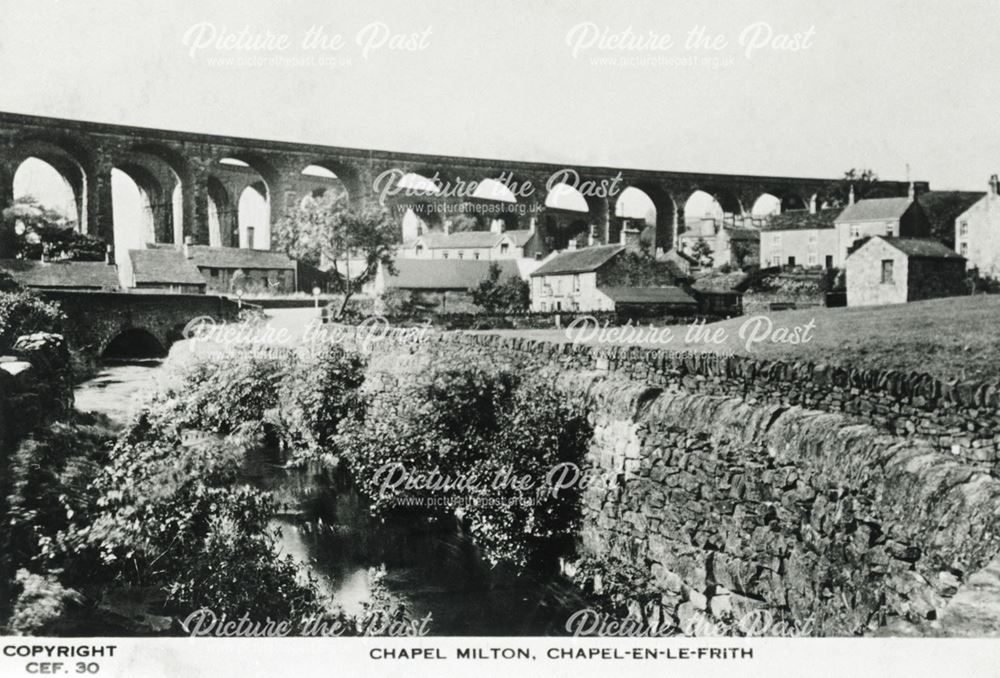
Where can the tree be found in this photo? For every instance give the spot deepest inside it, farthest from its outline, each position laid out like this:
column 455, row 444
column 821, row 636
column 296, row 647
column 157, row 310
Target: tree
column 864, row 182
column 353, row 241
column 40, row 231
column 702, row 251
column 513, row 294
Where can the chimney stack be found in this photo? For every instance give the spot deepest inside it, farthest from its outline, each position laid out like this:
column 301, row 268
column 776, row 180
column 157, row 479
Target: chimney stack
column 812, row 204
column 630, row 238
column 109, row 255
column 911, row 192
column 850, row 196
column 994, row 185
column 571, row 245
column 447, row 226
column 187, row 247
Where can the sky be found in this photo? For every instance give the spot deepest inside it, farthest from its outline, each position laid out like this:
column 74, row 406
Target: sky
column 871, row 84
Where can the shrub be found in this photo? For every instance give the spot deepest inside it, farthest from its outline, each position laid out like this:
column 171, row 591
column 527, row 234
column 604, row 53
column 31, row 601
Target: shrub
column 23, row 312
column 474, row 423
column 319, row 392
column 42, row 603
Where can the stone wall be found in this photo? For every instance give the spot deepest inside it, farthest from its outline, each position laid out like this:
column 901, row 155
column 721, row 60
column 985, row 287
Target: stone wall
column 734, row 499
column 960, row 418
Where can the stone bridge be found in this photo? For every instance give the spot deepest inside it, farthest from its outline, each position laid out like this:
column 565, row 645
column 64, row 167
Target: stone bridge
column 192, row 183
column 116, row 324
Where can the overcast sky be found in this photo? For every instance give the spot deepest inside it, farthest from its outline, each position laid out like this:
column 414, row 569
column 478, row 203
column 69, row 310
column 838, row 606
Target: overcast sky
column 877, row 84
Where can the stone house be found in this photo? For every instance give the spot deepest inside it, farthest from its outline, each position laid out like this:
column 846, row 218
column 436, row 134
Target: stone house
column 495, row 244
column 162, row 268
column 804, row 238
column 977, row 232
column 442, row 285
column 730, row 244
column 259, row 270
column 887, row 217
column 604, row 277
column 897, row 270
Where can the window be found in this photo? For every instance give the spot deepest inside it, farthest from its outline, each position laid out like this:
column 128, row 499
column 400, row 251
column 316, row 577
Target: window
column 543, row 306
column 214, row 272
column 963, row 227
column 812, row 258
column 791, row 261
column 419, row 249
column 504, row 247
column 475, row 255
column 461, row 254
column 964, row 249
column 776, row 240
column 576, row 282
column 890, row 229
column 812, row 239
column 829, row 261
column 444, row 255
column 776, row 260
column 886, row 271
column 855, row 231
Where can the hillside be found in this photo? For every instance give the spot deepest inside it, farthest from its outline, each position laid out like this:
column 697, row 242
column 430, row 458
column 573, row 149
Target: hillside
column 957, row 337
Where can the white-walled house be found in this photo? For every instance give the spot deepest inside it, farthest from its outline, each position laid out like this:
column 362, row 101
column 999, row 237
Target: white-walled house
column 588, row 279
column 491, row 245
column 977, row 232
column 887, row 217
column 800, row 238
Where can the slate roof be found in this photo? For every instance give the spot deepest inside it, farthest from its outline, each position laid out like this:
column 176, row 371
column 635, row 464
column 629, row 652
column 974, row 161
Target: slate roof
column 801, row 219
column 96, row 275
column 446, row 274
column 874, row 209
column 164, row 265
column 648, row 295
column 579, row 261
column 942, row 207
column 236, row 257
column 922, row 248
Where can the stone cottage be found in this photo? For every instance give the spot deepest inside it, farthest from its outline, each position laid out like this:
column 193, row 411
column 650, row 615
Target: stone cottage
column 897, row 270
column 604, row 277
column 888, row 217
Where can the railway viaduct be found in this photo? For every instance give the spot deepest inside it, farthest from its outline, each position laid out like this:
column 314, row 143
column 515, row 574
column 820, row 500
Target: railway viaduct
column 187, row 187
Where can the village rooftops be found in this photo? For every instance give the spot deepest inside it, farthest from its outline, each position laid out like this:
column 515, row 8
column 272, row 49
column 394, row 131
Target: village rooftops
column 874, row 209
column 163, row 265
column 579, row 261
column 794, row 220
column 445, row 274
column 239, row 257
column 922, row 248
column 471, row 239
column 648, row 295
column 91, row 275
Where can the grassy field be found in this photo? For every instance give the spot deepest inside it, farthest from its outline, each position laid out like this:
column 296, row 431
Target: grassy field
column 957, row 337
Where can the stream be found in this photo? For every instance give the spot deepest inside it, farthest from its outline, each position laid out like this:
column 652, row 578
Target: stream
column 427, row 566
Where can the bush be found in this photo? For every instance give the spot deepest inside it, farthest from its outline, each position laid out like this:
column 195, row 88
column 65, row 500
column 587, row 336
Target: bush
column 474, row 423
column 23, row 312
column 41, row 605
column 51, row 472
column 318, row 393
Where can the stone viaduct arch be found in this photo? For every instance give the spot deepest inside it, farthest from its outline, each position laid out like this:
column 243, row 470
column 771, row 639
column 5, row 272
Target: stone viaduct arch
column 164, row 160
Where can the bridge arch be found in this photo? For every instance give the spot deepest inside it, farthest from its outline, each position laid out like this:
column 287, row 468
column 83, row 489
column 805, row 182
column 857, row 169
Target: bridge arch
column 570, row 216
column 66, row 159
column 248, row 181
column 341, row 176
column 653, row 205
column 133, row 343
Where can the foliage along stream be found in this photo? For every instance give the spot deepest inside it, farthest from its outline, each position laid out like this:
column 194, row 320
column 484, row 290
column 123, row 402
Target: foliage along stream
column 429, row 567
